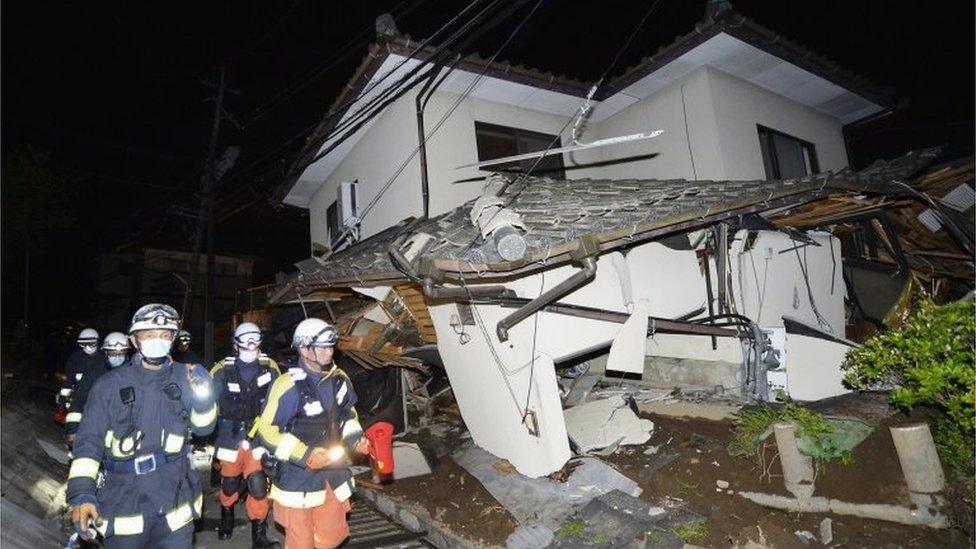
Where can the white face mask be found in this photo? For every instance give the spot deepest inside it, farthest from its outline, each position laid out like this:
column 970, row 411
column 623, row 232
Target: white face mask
column 247, row 355
column 155, row 348
column 89, row 349
column 116, row 360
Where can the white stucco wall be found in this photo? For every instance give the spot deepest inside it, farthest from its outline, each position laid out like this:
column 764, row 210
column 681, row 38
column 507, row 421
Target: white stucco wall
column 739, row 106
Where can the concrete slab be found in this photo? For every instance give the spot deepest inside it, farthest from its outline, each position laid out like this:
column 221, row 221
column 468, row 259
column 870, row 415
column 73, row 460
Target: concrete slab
column 408, row 461
column 602, row 423
column 703, row 410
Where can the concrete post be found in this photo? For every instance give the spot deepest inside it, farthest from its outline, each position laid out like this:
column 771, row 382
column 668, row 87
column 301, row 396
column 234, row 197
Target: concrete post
column 920, row 464
column 797, row 468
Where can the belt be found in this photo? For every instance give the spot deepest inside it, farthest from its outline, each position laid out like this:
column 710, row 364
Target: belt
column 141, row 465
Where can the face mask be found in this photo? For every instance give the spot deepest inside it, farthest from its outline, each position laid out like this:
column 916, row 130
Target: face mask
column 88, row 349
column 116, row 360
column 156, row 348
column 247, row 355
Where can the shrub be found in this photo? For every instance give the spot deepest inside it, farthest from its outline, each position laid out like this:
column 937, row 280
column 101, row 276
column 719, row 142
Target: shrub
column 930, row 362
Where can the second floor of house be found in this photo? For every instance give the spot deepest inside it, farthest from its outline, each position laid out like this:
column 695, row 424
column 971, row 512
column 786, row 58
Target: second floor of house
column 729, row 107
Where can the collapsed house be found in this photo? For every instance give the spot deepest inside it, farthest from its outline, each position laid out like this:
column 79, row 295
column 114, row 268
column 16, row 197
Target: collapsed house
column 727, row 247
column 690, row 283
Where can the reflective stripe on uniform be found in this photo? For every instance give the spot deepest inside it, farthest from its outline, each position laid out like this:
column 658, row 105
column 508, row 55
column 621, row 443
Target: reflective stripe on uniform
column 344, row 491
column 83, row 467
column 109, row 437
column 174, row 443
column 226, row 454
column 297, row 500
column 179, row 517
column 128, row 526
column 307, row 500
column 73, row 417
column 203, row 419
column 198, row 505
column 116, row 444
column 286, row 446
column 351, row 427
column 65, row 392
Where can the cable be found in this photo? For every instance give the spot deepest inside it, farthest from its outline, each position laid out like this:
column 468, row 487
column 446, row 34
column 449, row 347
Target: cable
column 535, row 333
column 806, row 279
column 443, row 119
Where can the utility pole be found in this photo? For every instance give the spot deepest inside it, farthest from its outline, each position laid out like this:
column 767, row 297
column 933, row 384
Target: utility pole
column 205, row 220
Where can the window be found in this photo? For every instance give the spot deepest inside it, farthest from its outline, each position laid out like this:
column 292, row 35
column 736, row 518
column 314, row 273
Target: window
column 500, row 141
column 786, row 157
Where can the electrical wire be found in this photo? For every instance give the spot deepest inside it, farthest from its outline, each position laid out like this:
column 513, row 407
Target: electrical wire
column 535, row 333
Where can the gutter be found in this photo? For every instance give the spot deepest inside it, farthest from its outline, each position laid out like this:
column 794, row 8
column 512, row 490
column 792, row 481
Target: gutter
column 578, row 279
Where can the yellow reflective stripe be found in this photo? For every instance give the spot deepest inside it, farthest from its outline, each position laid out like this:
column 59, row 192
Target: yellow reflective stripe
column 179, row 517
column 127, row 526
column 286, row 446
column 174, row 443
column 203, row 419
column 198, row 505
column 270, row 432
column 109, row 437
column 65, row 392
column 73, row 417
column 226, row 454
column 297, row 500
column 83, row 467
column 219, row 365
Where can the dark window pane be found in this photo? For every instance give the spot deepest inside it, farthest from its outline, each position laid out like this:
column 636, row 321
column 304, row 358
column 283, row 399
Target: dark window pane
column 786, row 157
column 501, row 141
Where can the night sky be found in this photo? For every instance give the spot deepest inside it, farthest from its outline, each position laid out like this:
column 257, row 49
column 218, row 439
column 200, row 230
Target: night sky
column 112, row 96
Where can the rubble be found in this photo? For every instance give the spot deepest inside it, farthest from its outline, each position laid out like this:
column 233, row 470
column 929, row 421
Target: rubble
column 826, row 531
column 607, row 422
column 409, row 460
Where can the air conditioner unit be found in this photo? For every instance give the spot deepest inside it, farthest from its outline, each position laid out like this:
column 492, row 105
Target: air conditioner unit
column 348, row 204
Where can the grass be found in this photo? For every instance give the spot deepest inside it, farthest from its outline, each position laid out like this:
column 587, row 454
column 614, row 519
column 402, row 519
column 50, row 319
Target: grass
column 571, row 528
column 692, row 531
column 751, row 424
column 686, row 488
column 601, row 538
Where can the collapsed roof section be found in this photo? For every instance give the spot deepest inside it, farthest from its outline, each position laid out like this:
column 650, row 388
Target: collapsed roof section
column 559, row 220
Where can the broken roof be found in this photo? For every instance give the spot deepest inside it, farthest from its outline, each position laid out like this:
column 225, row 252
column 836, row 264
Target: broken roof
column 727, row 40
column 564, row 217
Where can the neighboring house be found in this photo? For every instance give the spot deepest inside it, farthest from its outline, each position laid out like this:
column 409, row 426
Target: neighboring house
column 127, row 281
column 735, row 100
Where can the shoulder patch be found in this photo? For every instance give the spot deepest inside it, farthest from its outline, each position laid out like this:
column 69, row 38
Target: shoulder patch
column 297, row 374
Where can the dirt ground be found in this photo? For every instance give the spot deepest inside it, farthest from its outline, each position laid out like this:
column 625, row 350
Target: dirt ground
column 690, row 457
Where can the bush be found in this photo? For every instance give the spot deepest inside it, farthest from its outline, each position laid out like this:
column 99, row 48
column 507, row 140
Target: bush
column 929, row 362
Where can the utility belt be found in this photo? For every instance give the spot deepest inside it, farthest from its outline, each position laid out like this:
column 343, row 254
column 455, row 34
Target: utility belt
column 141, row 465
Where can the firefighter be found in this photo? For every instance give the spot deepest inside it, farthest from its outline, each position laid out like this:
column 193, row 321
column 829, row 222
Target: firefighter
column 181, row 351
column 310, row 427
column 84, row 362
column 241, row 384
column 114, row 349
column 136, row 428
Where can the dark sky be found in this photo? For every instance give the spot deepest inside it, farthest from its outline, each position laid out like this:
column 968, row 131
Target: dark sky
column 113, row 94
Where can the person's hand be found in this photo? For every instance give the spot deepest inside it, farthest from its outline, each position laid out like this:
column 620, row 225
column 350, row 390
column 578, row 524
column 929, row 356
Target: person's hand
column 363, row 446
column 200, row 385
column 320, row 457
column 82, row 516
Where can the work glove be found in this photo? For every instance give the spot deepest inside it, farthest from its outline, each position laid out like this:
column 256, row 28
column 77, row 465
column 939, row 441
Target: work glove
column 82, row 516
column 200, row 386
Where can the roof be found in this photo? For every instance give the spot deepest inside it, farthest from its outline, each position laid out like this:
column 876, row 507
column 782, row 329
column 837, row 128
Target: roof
column 562, row 216
column 745, row 32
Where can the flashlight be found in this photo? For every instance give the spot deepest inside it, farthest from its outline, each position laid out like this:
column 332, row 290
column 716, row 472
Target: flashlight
column 200, row 390
column 336, row 453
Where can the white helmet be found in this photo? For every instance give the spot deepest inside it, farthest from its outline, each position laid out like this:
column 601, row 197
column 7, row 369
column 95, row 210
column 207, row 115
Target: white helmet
column 115, row 341
column 155, row 316
column 247, row 335
column 88, row 336
column 314, row 332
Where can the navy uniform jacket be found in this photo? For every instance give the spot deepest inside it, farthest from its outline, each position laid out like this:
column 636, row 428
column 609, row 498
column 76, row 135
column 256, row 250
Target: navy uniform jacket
column 80, row 368
column 114, row 433
column 296, row 485
column 260, row 375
